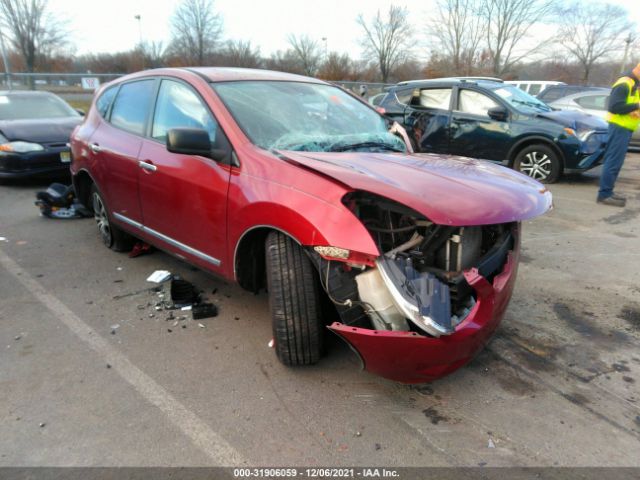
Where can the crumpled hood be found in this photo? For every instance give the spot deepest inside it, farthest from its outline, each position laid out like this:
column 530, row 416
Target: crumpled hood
column 579, row 121
column 46, row 130
column 447, row 190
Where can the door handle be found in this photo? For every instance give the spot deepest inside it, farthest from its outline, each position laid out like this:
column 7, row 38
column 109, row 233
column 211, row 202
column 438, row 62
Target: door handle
column 95, row 148
column 147, row 165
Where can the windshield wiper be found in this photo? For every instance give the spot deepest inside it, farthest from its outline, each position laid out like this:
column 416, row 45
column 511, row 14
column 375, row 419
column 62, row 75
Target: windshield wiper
column 539, row 106
column 354, row 146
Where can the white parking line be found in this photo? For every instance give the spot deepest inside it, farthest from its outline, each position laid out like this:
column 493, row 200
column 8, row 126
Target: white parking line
column 202, row 436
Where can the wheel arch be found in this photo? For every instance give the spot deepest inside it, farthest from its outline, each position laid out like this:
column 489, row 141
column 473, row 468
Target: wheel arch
column 249, row 268
column 82, row 182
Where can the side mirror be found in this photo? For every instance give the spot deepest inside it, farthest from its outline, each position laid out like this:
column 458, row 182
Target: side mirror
column 193, row 141
column 498, row 113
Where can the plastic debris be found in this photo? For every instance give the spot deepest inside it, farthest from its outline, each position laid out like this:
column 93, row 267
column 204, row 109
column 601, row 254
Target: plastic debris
column 183, row 292
column 271, row 343
column 201, row 325
column 140, row 248
column 59, row 201
column 204, row 310
column 159, row 276
column 491, row 444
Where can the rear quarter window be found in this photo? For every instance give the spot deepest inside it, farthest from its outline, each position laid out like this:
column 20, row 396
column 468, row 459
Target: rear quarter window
column 104, row 101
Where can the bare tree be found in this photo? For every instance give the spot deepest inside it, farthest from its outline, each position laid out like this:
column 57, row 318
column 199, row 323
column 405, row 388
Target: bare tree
column 507, row 25
column 308, row 53
column 455, row 29
column 154, row 53
column 592, row 31
column 387, row 39
column 286, row 61
column 337, row 67
column 196, row 30
column 242, row 54
column 34, row 31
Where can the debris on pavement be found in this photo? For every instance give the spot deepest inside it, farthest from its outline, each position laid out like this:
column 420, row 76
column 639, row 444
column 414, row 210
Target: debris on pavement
column 17, row 337
column 491, row 444
column 183, row 293
column 140, row 248
column 271, row 343
column 201, row 325
column 159, row 276
column 204, row 310
column 42, row 424
column 59, row 201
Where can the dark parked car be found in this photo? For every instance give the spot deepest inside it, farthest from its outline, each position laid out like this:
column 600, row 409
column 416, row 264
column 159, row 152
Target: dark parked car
column 286, row 182
column 499, row 122
column 34, row 134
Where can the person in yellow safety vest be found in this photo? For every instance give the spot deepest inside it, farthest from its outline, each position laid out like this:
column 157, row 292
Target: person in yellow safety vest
column 623, row 118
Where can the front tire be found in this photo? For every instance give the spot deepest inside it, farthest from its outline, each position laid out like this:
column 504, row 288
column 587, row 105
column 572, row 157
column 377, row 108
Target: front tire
column 112, row 236
column 294, row 299
column 539, row 162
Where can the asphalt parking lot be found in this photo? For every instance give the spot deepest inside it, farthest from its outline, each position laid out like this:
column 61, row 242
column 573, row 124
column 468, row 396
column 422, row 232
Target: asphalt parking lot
column 92, row 374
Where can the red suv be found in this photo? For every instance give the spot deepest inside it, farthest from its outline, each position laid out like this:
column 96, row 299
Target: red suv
column 291, row 184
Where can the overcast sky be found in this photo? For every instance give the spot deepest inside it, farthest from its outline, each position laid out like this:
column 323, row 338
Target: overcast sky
column 110, row 26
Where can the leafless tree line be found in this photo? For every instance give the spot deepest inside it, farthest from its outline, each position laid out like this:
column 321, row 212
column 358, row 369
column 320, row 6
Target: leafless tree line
column 459, row 37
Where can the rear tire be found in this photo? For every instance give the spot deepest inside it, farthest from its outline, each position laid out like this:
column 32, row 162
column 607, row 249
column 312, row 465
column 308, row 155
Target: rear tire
column 294, row 299
column 539, row 162
column 112, row 236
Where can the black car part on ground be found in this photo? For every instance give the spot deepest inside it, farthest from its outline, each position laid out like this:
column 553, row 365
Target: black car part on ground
column 59, row 201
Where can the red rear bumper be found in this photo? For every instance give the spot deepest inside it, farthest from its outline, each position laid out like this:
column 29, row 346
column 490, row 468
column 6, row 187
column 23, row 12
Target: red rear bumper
column 409, row 357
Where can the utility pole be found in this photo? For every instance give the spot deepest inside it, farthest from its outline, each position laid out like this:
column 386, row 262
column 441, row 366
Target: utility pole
column 628, row 41
column 5, row 59
column 326, row 51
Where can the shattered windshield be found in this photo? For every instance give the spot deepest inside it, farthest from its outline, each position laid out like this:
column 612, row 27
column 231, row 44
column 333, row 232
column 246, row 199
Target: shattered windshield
column 305, row 117
column 521, row 100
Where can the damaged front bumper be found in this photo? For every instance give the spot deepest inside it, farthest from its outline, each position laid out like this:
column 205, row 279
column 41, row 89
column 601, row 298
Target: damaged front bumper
column 411, row 357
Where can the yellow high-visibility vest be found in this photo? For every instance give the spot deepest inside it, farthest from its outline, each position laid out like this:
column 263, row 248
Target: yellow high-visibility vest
column 627, row 120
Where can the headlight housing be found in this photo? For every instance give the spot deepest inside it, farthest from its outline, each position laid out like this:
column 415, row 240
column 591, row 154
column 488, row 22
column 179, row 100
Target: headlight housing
column 20, row 147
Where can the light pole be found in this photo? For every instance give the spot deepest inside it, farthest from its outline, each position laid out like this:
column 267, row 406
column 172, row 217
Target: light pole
column 5, row 59
column 326, row 52
column 139, row 19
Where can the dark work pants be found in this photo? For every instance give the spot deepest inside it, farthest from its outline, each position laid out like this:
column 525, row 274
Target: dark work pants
column 619, row 139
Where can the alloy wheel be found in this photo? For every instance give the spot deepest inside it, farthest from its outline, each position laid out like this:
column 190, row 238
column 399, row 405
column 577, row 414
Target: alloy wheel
column 537, row 165
column 100, row 214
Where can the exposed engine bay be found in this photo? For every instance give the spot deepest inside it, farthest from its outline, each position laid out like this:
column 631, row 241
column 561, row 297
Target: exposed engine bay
column 417, row 284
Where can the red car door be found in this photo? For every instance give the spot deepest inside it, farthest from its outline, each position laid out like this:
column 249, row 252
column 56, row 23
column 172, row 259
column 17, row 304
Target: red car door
column 184, row 197
column 115, row 147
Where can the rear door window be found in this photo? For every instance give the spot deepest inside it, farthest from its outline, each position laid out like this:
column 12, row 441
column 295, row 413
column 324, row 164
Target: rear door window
column 131, row 106
column 439, row 98
column 179, row 106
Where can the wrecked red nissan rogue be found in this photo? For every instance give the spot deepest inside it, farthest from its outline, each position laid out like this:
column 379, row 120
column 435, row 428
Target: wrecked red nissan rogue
column 290, row 184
